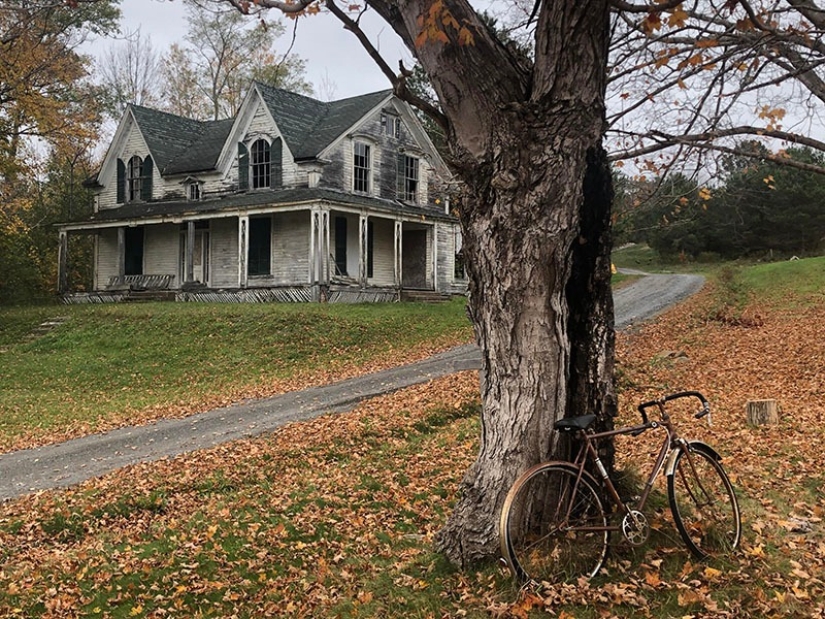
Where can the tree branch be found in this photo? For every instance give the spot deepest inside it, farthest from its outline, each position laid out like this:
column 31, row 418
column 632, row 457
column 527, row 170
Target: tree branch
column 398, row 81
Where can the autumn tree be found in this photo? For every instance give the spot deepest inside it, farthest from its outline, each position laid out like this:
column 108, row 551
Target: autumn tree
column 46, row 105
column 208, row 76
column 704, row 77
column 525, row 135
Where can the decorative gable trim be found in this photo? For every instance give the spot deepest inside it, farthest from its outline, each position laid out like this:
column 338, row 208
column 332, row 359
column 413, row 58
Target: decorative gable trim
column 241, row 133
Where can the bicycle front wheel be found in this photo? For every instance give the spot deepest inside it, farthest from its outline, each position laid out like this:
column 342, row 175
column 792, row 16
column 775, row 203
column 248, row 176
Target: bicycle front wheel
column 553, row 527
column 704, row 504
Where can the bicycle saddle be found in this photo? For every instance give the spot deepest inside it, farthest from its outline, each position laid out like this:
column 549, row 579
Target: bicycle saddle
column 571, row 424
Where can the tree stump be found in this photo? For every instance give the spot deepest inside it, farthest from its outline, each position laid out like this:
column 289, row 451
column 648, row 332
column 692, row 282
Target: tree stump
column 762, row 412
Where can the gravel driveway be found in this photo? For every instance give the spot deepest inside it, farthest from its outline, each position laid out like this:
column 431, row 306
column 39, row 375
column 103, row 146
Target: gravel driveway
column 65, row 464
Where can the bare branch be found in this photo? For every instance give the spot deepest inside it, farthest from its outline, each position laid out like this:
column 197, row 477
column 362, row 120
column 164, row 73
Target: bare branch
column 629, row 7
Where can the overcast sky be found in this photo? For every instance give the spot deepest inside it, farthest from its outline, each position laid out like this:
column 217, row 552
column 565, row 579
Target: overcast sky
column 333, row 54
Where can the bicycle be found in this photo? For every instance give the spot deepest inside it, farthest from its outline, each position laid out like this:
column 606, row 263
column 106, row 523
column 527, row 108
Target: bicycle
column 554, row 526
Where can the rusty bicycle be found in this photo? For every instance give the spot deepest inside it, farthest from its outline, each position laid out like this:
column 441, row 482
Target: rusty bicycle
column 554, row 526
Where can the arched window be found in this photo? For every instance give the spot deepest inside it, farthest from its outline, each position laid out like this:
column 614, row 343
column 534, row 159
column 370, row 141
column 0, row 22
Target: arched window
column 261, row 164
column 134, row 179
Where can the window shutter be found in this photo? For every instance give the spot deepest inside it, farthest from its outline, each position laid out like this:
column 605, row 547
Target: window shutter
column 121, row 181
column 243, row 166
column 401, row 176
column 146, row 173
column 276, row 173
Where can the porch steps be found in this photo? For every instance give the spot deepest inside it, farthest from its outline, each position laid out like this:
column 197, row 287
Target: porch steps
column 424, row 296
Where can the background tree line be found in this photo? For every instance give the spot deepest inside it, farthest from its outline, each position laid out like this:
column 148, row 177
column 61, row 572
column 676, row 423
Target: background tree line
column 57, row 103
column 757, row 208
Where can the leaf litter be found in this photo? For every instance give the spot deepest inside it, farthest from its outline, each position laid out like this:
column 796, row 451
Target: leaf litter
column 336, row 517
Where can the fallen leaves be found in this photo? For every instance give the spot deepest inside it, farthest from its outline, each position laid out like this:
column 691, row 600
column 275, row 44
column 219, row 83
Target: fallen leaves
column 336, row 517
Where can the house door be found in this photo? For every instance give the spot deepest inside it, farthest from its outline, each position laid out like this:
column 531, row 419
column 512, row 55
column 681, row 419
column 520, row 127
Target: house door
column 414, row 259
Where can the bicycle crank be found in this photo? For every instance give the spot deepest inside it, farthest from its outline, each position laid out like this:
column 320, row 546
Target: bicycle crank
column 635, row 528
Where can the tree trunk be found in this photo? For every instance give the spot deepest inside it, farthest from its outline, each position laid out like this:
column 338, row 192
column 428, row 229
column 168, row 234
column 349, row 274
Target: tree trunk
column 540, row 299
column 536, row 218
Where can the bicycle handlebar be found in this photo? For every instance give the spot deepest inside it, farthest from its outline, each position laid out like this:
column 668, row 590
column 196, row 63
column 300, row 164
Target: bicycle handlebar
column 675, row 396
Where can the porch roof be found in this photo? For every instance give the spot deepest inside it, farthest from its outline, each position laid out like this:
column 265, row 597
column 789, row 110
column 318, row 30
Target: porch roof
column 233, row 204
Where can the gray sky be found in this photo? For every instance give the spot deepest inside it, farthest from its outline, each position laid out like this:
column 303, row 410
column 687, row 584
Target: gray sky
column 333, row 54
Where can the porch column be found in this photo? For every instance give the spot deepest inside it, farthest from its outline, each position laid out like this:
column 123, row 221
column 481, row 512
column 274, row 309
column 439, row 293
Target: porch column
column 399, row 236
column 362, row 250
column 63, row 263
column 121, row 253
column 324, row 237
column 433, row 240
column 189, row 262
column 313, row 247
column 243, row 243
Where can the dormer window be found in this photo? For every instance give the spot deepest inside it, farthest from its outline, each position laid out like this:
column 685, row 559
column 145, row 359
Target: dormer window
column 260, row 164
column 361, row 167
column 194, row 191
column 134, row 179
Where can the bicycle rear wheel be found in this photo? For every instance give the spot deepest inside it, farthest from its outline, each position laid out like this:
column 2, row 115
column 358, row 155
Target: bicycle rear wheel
column 552, row 527
column 704, row 504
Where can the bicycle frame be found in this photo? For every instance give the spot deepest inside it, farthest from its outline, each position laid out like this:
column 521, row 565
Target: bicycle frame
column 587, row 452
column 671, row 445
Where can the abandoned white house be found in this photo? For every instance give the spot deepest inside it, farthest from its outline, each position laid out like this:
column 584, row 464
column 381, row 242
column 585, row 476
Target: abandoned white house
column 294, row 199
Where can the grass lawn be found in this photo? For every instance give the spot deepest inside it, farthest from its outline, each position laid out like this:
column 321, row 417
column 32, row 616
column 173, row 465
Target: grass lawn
column 336, row 517
column 107, row 365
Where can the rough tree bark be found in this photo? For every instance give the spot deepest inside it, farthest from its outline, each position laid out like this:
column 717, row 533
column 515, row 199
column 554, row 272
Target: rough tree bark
column 536, row 217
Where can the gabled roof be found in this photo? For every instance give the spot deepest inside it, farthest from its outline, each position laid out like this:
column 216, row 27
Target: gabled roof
column 179, row 144
column 309, row 125
column 182, row 145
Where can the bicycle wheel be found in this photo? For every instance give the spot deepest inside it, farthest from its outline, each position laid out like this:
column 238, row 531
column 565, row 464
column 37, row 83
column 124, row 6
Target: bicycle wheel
column 704, row 504
column 552, row 528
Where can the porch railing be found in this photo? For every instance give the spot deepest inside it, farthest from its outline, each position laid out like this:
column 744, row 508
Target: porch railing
column 139, row 282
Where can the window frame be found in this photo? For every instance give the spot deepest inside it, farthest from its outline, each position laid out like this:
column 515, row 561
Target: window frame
column 260, row 164
column 134, row 178
column 409, row 184
column 362, row 174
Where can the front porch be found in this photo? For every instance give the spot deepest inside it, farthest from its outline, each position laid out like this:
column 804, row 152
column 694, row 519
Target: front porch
column 317, row 254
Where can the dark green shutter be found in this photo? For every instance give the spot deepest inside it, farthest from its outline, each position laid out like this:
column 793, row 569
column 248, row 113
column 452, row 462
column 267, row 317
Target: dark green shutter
column 243, row 166
column 121, row 181
column 146, row 173
column 276, row 173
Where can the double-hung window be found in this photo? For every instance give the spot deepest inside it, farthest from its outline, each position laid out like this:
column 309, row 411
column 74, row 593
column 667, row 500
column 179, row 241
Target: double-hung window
column 361, row 167
column 407, row 178
column 260, row 163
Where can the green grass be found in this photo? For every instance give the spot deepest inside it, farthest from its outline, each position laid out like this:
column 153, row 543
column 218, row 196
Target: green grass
column 774, row 281
column 109, row 360
column 642, row 258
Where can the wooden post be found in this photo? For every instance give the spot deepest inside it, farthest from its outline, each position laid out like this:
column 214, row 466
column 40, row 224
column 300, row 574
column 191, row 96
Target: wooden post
column 362, row 250
column 761, row 412
column 189, row 259
column 243, row 241
column 63, row 263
